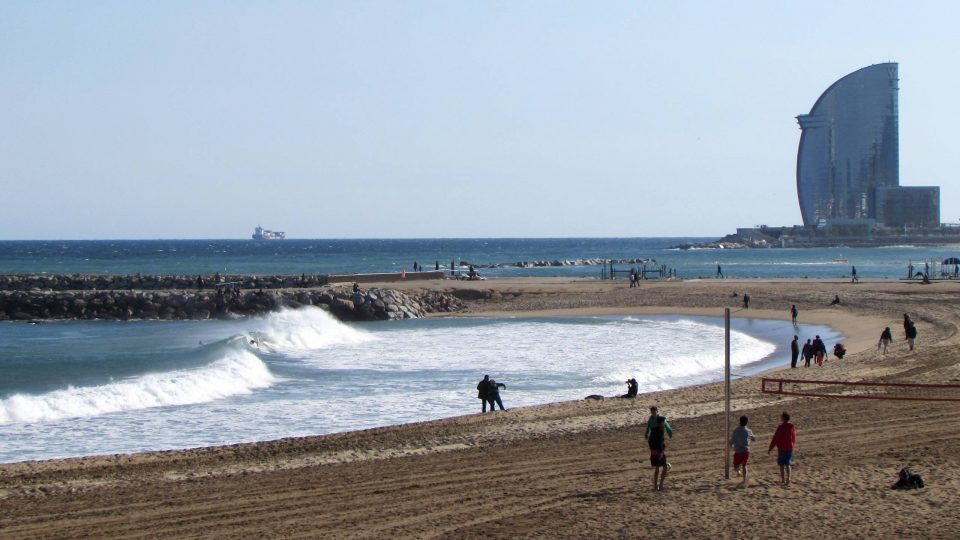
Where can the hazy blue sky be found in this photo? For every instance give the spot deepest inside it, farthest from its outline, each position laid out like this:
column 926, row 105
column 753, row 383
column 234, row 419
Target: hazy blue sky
column 202, row 119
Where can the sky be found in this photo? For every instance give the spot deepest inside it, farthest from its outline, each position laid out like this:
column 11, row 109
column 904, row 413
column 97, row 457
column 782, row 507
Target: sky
column 412, row 119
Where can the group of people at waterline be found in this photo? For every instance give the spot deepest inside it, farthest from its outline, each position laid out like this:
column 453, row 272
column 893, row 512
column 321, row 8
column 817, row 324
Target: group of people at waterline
column 816, row 350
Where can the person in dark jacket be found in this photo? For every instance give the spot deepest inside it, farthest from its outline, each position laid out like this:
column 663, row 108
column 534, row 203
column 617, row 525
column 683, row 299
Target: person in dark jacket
column 794, row 351
column 493, row 394
column 819, row 350
column 885, row 338
column 807, row 353
column 911, row 332
column 658, row 453
column 483, row 392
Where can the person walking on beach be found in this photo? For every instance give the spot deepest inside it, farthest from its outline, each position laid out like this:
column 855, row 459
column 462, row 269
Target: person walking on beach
column 483, row 392
column 746, row 301
column 652, row 423
column 853, row 273
column 740, row 441
column 794, row 351
column 907, row 322
column 719, row 271
column 658, row 453
column 885, row 338
column 785, row 441
column 807, row 353
column 793, row 313
column 819, row 350
column 911, row 334
column 493, row 394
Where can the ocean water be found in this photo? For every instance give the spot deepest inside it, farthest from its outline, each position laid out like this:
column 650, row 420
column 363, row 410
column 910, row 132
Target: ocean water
column 74, row 388
column 295, row 257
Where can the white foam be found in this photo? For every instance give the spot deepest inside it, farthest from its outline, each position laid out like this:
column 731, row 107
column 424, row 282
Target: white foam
column 603, row 351
column 307, row 328
column 239, row 372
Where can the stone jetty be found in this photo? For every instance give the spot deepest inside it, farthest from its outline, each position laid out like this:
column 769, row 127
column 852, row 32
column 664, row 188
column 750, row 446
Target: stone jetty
column 56, row 297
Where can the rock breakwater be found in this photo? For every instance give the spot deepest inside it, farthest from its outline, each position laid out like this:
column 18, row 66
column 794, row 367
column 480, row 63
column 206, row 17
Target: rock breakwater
column 89, row 282
column 110, row 299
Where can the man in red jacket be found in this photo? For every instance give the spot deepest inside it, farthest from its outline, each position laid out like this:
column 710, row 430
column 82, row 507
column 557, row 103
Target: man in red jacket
column 785, row 439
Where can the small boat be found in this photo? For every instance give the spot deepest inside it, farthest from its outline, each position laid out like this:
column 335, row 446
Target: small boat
column 839, row 259
column 263, row 234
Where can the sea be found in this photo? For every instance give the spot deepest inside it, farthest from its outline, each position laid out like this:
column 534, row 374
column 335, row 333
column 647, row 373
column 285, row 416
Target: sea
column 79, row 388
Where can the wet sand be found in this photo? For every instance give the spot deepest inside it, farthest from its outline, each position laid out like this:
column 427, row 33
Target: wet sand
column 572, row 469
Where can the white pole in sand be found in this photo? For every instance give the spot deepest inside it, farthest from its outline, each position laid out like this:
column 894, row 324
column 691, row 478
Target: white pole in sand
column 726, row 385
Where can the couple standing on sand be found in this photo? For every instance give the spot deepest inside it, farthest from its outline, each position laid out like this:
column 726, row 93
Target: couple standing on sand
column 784, row 440
column 488, row 390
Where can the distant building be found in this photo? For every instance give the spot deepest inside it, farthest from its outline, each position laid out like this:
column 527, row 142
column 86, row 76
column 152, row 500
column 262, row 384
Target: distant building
column 912, row 207
column 849, row 147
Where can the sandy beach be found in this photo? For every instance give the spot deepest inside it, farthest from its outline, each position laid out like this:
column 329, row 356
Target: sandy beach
column 574, row 469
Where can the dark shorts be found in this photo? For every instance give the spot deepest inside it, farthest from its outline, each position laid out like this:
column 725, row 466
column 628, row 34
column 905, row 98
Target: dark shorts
column 658, row 458
column 740, row 458
column 785, row 457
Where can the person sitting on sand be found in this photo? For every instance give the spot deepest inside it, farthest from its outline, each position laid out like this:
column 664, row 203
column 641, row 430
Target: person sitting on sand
column 785, row 441
column 658, row 453
column 632, row 388
column 839, row 350
column 836, row 300
column 740, row 441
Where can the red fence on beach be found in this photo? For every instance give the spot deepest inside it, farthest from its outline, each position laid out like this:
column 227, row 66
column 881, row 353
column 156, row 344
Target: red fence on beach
column 861, row 390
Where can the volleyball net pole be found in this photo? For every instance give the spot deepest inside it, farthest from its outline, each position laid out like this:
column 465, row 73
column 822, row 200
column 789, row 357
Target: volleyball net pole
column 726, row 388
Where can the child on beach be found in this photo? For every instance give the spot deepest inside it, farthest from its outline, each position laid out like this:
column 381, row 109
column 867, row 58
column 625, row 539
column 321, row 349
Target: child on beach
column 658, row 453
column 785, row 440
column 740, row 441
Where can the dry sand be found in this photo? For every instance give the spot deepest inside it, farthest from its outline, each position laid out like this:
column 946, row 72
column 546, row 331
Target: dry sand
column 574, row 469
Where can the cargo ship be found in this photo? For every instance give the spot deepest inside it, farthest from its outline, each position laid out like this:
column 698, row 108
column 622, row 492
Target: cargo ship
column 263, row 234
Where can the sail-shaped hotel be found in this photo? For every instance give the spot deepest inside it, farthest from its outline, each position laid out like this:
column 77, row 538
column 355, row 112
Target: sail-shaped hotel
column 848, row 169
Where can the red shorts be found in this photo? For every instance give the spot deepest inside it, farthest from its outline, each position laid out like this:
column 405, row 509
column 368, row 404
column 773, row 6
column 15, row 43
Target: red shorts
column 740, row 458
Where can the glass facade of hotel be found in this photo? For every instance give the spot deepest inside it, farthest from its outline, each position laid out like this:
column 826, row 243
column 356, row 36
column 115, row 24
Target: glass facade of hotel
column 849, row 146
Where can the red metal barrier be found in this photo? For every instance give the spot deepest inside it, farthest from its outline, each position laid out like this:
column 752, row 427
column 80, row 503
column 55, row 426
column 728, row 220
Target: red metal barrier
column 888, row 391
